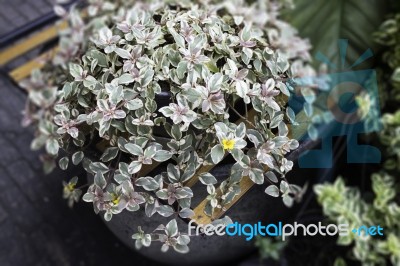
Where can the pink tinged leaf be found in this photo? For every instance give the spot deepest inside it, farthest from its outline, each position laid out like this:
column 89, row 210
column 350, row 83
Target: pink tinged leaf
column 119, row 114
column 248, row 44
column 269, row 84
column 271, row 103
column 124, row 27
column 205, row 106
column 73, row 132
column 242, row 74
column 61, row 130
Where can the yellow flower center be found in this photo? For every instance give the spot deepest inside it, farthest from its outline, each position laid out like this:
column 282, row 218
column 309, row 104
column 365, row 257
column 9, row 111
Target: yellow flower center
column 70, row 187
column 228, row 144
column 115, row 199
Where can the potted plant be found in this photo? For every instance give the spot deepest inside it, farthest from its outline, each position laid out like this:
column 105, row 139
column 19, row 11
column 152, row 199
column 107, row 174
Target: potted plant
column 180, row 86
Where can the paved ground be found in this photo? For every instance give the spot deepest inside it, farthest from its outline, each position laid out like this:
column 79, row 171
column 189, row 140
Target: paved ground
column 15, row 13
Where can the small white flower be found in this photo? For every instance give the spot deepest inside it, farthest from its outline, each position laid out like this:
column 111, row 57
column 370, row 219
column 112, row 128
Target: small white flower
column 228, row 138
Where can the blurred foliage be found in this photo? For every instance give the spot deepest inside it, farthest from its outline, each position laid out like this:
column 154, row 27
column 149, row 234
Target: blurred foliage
column 325, row 22
column 269, row 248
column 348, row 204
column 389, row 37
column 345, row 205
column 381, row 207
column 390, row 137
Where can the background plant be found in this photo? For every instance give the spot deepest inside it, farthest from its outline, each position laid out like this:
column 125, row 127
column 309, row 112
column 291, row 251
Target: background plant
column 389, row 37
column 380, row 204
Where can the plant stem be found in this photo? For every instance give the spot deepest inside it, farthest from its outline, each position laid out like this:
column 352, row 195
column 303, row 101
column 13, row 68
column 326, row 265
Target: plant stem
column 83, row 186
column 242, row 117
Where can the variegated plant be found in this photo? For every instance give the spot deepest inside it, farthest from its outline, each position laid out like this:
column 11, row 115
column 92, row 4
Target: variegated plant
column 104, row 82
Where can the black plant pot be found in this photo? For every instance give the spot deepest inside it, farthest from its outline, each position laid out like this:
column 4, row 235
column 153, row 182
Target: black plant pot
column 255, row 206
